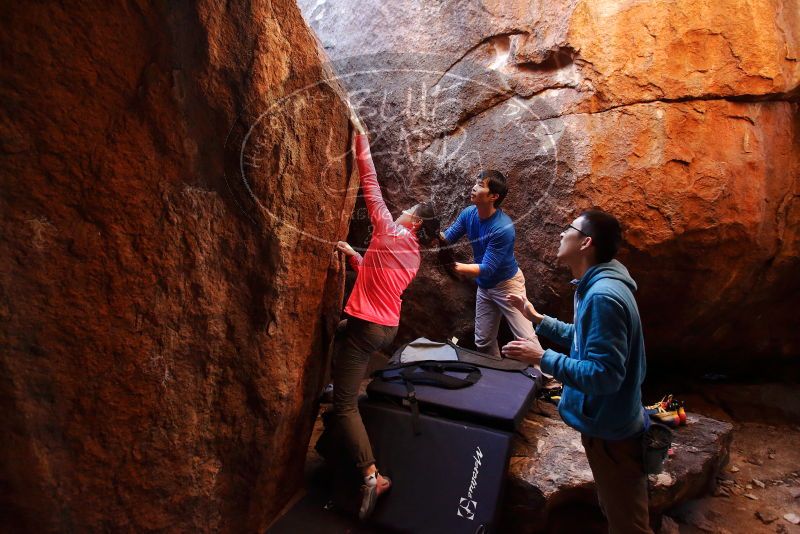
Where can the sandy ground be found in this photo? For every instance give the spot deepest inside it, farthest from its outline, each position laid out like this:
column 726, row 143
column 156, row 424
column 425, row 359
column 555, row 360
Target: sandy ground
column 761, row 482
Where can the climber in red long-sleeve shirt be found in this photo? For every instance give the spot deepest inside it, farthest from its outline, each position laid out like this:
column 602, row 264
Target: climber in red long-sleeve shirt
column 388, row 266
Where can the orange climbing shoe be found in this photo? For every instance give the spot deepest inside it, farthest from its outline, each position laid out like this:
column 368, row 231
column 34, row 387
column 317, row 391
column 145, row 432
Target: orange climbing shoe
column 668, row 411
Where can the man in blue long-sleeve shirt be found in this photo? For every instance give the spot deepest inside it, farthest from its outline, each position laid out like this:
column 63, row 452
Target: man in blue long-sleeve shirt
column 491, row 233
column 605, row 367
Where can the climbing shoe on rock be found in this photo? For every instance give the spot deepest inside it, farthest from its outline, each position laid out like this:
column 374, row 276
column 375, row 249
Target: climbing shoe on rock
column 668, row 411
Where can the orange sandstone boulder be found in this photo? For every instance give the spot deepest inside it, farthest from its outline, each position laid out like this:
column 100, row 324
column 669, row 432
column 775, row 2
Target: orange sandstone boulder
column 173, row 177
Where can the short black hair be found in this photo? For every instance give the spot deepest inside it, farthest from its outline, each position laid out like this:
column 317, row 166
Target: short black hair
column 605, row 231
column 497, row 184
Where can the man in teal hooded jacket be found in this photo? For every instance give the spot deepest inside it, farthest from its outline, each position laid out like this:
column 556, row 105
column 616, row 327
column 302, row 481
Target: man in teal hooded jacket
column 605, row 368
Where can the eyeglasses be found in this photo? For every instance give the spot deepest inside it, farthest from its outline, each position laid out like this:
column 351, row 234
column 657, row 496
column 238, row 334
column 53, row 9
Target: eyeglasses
column 577, row 230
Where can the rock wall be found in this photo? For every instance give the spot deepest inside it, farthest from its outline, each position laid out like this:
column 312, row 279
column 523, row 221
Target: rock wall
column 172, row 182
column 548, row 471
column 680, row 117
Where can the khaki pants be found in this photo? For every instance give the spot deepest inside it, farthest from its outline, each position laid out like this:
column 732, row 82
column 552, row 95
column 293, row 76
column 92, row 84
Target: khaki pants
column 361, row 339
column 621, row 483
column 491, row 305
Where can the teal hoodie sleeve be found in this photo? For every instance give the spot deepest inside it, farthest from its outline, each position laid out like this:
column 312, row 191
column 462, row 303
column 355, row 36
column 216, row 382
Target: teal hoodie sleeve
column 556, row 331
column 600, row 370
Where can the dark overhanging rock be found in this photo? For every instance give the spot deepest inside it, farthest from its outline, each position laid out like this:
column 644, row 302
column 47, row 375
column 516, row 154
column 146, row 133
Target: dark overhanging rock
column 664, row 124
column 548, row 468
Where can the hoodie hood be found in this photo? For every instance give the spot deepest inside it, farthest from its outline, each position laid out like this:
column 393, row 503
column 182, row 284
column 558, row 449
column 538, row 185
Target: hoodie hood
column 613, row 270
